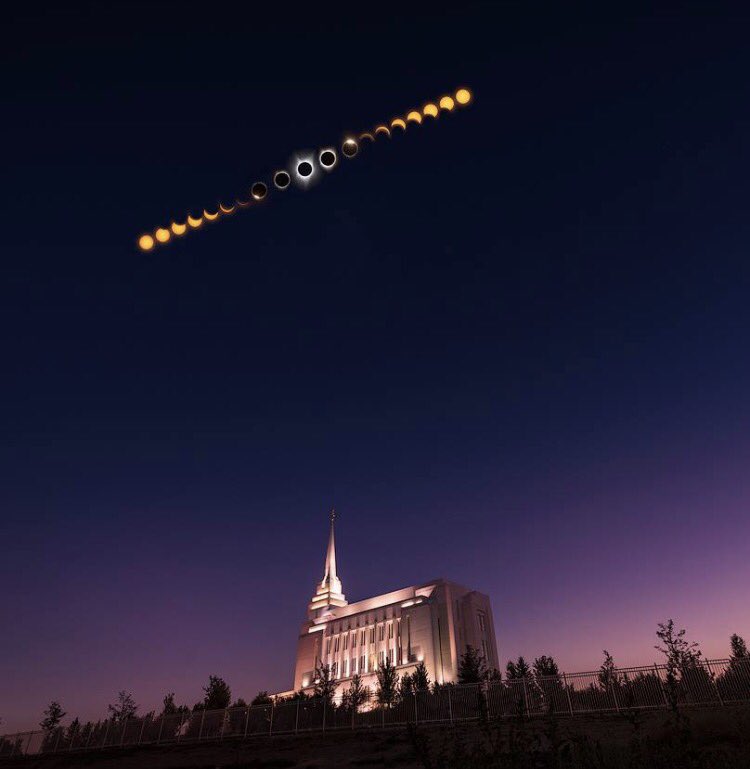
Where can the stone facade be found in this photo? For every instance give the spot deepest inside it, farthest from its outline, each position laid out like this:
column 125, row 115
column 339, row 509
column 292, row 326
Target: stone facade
column 431, row 623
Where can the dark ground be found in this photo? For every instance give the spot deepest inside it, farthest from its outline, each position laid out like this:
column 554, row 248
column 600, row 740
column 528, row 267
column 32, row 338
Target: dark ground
column 706, row 739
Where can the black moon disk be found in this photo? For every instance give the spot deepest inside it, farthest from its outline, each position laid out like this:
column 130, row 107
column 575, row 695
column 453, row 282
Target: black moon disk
column 305, row 169
column 327, row 159
column 259, row 190
column 350, row 148
column 281, row 179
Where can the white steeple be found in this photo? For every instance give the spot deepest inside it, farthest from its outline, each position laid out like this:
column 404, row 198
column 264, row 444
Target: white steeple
column 328, row 592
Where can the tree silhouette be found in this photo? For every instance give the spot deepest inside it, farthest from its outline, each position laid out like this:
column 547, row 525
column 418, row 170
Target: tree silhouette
column 471, row 667
column 405, row 686
column 261, row 698
column 516, row 671
column 420, row 678
column 125, row 707
column 169, row 708
column 739, row 648
column 52, row 717
column 324, row 684
column 387, row 690
column 545, row 666
column 607, row 672
column 682, row 656
column 218, row 694
column 357, row 694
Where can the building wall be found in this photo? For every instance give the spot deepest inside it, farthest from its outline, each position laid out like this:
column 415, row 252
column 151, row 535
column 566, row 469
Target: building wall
column 432, row 623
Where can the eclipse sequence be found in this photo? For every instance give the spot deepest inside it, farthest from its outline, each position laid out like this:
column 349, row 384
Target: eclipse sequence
column 305, row 167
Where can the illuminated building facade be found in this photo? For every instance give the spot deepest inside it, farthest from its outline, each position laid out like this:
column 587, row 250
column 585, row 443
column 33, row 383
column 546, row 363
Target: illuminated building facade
column 431, row 623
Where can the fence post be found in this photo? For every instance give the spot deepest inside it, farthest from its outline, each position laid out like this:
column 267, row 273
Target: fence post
column 122, row 735
column 143, row 727
column 713, row 681
column 296, row 719
column 28, row 744
column 416, row 709
column 270, row 722
column 106, row 733
column 661, row 686
column 57, row 741
column 526, row 696
column 450, row 706
column 567, row 692
column 161, row 726
column 247, row 721
column 325, row 708
column 203, row 718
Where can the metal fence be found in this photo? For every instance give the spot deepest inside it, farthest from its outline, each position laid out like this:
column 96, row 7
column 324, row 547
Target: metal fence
column 714, row 683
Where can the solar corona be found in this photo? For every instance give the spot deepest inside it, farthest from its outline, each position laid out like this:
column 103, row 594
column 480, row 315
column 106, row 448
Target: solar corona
column 304, row 168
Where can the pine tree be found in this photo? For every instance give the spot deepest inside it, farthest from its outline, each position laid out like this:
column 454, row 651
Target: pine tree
column 52, row 717
column 387, row 690
column 420, row 679
column 739, row 648
column 471, row 667
column 517, row 670
column 357, row 694
column 607, row 672
column 218, row 694
column 261, row 698
column 324, row 684
column 545, row 667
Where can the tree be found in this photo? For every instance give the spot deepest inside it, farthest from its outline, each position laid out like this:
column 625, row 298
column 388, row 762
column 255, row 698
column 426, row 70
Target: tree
column 471, row 667
column 239, row 703
column 218, row 694
column 682, row 656
column 357, row 694
column 607, row 672
column 324, row 685
column 169, row 708
column 680, row 653
column 420, row 679
column 125, row 707
column 52, row 717
column 261, row 698
column 545, row 666
column 516, row 671
column 405, row 686
column 739, row 648
column 387, row 690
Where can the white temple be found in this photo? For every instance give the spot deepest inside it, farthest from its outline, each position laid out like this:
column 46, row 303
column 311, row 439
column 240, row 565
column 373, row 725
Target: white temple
column 431, row 623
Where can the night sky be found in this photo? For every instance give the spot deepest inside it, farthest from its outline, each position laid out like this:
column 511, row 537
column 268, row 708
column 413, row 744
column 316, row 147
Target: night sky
column 512, row 346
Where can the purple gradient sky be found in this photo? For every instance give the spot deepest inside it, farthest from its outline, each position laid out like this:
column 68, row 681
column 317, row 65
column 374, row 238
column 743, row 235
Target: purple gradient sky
column 512, row 348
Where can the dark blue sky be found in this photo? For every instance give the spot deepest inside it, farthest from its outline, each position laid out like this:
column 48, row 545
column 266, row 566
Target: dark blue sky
column 511, row 346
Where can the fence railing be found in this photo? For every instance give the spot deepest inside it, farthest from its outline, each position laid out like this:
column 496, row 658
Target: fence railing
column 716, row 682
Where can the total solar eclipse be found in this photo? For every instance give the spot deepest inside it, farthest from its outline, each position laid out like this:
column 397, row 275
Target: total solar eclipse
column 327, row 159
column 303, row 165
column 281, row 179
column 304, row 168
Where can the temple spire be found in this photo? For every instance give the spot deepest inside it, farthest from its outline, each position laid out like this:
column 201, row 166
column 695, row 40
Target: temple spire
column 329, row 574
column 328, row 592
